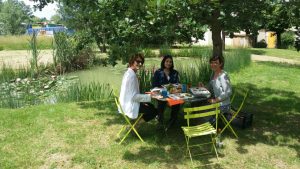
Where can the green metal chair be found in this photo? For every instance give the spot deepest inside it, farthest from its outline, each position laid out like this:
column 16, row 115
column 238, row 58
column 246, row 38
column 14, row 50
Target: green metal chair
column 202, row 129
column 129, row 126
column 234, row 113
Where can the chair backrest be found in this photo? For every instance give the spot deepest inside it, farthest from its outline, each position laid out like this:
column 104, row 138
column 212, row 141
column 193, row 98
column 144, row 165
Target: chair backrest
column 243, row 94
column 202, row 111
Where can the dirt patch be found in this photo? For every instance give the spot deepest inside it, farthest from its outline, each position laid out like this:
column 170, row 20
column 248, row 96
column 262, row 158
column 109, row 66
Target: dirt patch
column 20, row 58
column 273, row 59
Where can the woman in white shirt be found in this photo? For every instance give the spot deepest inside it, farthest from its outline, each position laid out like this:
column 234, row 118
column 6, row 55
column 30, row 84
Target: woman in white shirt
column 132, row 102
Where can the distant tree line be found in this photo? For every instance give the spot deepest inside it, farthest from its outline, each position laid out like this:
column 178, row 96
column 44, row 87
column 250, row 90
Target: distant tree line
column 123, row 24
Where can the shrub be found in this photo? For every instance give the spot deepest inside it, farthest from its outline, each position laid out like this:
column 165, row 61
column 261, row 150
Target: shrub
column 149, row 53
column 261, row 44
column 71, row 52
column 287, row 40
column 123, row 52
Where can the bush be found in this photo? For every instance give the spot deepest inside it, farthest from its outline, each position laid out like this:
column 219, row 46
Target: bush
column 287, row 40
column 261, row 44
column 1, row 48
column 72, row 52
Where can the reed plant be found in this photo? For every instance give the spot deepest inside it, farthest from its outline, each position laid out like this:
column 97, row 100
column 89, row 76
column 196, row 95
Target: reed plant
column 85, row 92
column 194, row 52
column 63, row 52
column 194, row 72
column 8, row 74
column 165, row 50
column 33, row 45
column 237, row 59
column 145, row 78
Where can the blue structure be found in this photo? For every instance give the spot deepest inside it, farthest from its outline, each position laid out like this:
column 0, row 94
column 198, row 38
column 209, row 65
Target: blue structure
column 48, row 30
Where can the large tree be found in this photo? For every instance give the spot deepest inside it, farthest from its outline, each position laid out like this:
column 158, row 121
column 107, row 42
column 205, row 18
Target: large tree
column 282, row 16
column 141, row 22
column 13, row 14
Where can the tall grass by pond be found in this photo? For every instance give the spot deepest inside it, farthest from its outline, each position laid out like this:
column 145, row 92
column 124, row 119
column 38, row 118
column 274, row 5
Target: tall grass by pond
column 21, row 42
column 237, row 59
column 197, row 69
column 85, row 92
column 7, row 74
column 20, row 92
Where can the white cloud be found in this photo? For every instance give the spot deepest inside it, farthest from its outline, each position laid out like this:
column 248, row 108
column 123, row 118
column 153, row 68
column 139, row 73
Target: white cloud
column 48, row 11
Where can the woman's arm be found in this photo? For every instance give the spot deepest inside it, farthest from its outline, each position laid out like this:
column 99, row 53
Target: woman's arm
column 226, row 90
column 155, row 79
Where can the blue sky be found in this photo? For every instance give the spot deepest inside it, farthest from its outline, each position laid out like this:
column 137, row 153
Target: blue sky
column 47, row 11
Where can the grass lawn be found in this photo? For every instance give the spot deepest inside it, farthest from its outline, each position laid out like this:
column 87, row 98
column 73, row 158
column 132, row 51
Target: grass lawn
column 83, row 135
column 22, row 42
column 282, row 53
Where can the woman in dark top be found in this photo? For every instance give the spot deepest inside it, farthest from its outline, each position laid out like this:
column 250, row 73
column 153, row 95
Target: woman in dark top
column 165, row 75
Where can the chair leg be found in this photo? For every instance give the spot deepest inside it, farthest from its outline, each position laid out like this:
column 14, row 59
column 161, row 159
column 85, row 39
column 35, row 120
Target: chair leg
column 227, row 125
column 188, row 148
column 214, row 146
column 122, row 129
column 135, row 129
column 132, row 128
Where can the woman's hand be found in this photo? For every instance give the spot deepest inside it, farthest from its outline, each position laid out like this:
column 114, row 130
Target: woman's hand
column 212, row 101
column 200, row 84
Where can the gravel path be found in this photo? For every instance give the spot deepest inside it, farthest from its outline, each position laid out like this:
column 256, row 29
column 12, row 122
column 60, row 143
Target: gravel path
column 20, row 58
column 273, row 59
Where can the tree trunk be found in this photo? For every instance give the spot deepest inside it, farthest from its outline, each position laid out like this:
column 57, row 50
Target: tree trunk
column 223, row 40
column 101, row 45
column 278, row 39
column 216, row 33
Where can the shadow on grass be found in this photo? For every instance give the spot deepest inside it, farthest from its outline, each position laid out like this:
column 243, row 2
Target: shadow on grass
column 280, row 64
column 276, row 123
column 257, row 51
column 276, row 118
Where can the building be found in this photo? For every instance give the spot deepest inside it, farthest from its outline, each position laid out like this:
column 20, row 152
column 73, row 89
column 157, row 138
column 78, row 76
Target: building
column 43, row 28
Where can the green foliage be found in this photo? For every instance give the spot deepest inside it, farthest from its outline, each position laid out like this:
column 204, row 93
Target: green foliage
column 287, row 40
column 72, row 52
column 194, row 52
column 297, row 40
column 56, row 19
column 145, row 78
column 289, row 10
column 261, row 44
column 123, row 53
column 13, row 14
column 165, row 50
column 34, row 55
column 85, row 92
column 148, row 53
column 237, row 60
column 29, row 91
column 8, row 74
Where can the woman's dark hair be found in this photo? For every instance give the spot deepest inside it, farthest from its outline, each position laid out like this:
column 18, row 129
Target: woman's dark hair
column 135, row 57
column 162, row 65
column 220, row 58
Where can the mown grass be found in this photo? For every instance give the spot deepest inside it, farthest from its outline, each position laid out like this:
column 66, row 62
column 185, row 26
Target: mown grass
column 83, row 135
column 282, row 53
column 22, row 42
